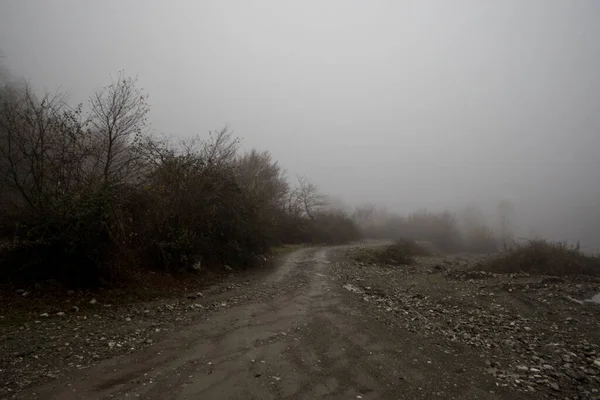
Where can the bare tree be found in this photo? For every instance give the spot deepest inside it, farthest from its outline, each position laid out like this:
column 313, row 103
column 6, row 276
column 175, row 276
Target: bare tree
column 118, row 119
column 41, row 149
column 221, row 147
column 308, row 197
column 262, row 178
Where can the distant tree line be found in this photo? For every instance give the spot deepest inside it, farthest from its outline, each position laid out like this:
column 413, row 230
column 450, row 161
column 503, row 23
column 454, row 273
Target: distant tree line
column 448, row 232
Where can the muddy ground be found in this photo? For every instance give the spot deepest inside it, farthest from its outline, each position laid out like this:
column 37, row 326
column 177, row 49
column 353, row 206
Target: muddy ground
column 320, row 325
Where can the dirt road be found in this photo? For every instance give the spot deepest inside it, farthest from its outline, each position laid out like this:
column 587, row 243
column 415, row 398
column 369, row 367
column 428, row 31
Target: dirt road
column 308, row 338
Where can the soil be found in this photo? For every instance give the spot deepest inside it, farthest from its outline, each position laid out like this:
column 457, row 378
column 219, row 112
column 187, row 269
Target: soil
column 320, row 325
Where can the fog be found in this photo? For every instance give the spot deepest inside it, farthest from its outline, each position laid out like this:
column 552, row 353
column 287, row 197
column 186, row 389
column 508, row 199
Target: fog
column 405, row 104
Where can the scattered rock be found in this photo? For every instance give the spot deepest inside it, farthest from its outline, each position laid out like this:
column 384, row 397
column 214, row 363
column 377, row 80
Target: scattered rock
column 470, row 311
column 351, row 288
column 574, row 300
column 575, row 375
column 483, row 310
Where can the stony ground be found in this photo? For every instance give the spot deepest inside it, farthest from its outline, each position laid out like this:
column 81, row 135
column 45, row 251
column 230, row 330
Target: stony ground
column 45, row 342
column 536, row 334
column 319, row 326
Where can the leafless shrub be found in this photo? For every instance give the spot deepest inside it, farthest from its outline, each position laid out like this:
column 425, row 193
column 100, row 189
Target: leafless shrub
column 401, row 252
column 54, row 197
column 544, row 257
column 332, row 227
column 41, row 150
column 309, row 219
column 266, row 186
column 307, row 198
column 118, row 120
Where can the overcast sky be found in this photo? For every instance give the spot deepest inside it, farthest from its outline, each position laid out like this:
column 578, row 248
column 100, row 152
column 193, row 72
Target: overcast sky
column 411, row 104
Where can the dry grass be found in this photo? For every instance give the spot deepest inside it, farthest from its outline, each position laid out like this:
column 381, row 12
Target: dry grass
column 545, row 258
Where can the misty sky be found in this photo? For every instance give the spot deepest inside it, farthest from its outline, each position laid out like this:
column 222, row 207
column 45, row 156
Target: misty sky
column 411, row 104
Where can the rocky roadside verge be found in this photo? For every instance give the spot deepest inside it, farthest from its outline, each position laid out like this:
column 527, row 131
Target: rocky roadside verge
column 51, row 344
column 536, row 333
column 42, row 346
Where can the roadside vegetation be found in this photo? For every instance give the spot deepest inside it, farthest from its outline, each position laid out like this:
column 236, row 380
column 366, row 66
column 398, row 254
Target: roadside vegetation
column 89, row 197
column 544, row 258
column 401, row 252
column 444, row 231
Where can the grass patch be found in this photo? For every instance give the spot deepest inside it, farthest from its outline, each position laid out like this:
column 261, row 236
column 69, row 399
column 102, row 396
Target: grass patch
column 401, row 252
column 545, row 258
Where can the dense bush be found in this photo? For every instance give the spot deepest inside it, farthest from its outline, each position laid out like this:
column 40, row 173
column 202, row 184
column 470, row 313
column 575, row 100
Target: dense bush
column 401, row 252
column 546, row 258
column 331, row 228
column 307, row 219
column 325, row 228
column 89, row 197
